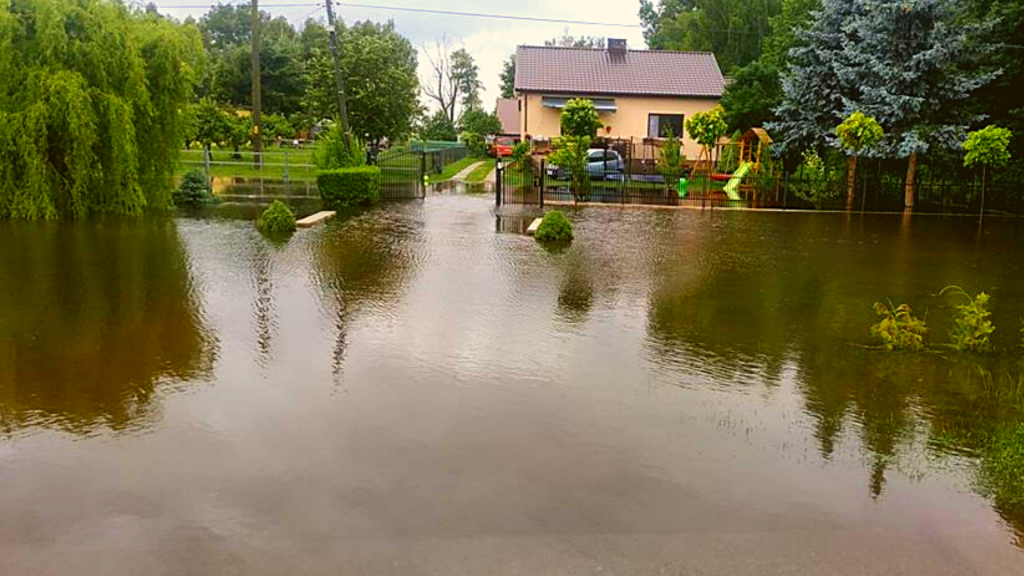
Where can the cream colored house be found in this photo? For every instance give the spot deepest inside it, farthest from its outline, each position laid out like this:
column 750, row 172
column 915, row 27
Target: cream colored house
column 639, row 94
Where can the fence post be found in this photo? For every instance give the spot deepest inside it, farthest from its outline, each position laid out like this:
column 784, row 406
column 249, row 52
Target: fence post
column 423, row 174
column 286, row 165
column 541, row 191
column 206, row 162
column 499, row 173
column 785, row 189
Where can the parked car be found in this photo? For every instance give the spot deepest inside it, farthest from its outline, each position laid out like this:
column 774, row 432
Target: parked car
column 601, row 164
column 502, row 147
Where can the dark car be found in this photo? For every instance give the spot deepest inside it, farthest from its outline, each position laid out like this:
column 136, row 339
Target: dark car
column 601, row 164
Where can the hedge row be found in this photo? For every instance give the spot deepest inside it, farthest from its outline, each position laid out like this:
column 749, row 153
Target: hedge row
column 343, row 187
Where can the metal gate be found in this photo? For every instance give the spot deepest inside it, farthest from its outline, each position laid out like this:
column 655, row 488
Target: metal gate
column 519, row 182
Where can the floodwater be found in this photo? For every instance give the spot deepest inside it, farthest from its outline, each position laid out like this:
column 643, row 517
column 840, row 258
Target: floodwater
column 418, row 389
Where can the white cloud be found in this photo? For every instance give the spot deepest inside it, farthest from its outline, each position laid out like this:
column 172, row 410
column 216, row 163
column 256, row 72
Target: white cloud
column 490, row 41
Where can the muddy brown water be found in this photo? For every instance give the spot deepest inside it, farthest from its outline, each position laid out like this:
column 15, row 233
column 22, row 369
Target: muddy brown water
column 418, row 389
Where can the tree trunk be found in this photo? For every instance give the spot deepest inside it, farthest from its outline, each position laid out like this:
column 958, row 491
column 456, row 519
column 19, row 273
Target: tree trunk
column 981, row 214
column 911, row 175
column 851, row 182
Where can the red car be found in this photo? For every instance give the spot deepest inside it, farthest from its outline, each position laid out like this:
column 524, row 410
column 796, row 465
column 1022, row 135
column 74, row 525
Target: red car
column 502, row 147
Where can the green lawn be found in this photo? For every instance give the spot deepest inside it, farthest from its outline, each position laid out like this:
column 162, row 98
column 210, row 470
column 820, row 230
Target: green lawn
column 454, row 168
column 223, row 164
column 480, row 172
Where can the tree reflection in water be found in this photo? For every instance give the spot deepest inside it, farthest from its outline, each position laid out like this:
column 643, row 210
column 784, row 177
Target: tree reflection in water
column 94, row 318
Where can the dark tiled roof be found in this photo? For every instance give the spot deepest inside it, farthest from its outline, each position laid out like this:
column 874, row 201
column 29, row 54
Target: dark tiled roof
column 597, row 71
column 508, row 112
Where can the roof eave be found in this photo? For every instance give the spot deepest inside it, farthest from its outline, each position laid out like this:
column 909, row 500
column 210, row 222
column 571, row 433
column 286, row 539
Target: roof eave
column 620, row 93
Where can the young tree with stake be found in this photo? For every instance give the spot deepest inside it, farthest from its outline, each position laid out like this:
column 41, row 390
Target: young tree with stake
column 987, row 147
column 856, row 133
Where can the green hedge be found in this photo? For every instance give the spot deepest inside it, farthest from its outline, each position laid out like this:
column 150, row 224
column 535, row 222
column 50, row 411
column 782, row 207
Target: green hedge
column 349, row 186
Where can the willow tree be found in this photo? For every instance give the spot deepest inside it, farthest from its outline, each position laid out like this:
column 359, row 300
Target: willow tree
column 92, row 107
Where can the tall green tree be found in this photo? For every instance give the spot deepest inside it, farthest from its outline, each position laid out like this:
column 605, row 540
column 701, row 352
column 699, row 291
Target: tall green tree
column 438, row 126
column 750, row 100
column 467, row 74
column 735, row 30
column 786, row 27
column 455, row 79
column 381, row 83
column 227, row 35
column 93, row 107
column 478, row 121
column 508, row 77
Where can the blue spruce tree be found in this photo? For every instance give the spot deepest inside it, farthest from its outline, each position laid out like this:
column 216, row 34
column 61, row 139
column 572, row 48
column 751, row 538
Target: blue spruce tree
column 916, row 64
column 911, row 64
column 814, row 99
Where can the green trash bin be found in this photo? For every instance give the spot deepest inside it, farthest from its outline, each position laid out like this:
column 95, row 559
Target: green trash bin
column 684, row 187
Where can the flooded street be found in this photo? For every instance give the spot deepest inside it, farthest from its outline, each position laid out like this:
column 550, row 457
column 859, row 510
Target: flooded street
column 414, row 389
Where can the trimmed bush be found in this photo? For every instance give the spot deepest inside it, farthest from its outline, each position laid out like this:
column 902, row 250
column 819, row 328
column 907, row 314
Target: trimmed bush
column 349, row 186
column 276, row 219
column 555, row 227
column 192, row 190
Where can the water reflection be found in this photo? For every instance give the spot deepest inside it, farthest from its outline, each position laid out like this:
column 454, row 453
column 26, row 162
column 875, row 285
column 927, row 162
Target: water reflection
column 771, row 297
column 93, row 318
column 363, row 260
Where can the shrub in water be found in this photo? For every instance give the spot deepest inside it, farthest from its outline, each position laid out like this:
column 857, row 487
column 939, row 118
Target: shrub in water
column 555, row 227
column 192, row 190
column 276, row 219
column 972, row 327
column 898, row 329
column 349, row 186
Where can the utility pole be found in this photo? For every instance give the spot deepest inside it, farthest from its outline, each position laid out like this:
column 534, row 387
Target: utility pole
column 343, row 111
column 257, row 146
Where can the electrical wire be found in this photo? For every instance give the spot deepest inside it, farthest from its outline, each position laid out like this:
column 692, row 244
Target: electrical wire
column 484, row 15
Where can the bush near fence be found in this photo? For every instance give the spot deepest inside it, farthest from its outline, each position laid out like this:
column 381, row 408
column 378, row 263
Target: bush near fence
column 349, row 186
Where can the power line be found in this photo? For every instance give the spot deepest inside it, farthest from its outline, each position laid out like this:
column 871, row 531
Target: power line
column 209, row 6
column 483, row 15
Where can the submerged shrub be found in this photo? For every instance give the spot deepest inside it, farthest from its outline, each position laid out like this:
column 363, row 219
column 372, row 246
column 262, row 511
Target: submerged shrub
column 972, row 327
column 276, row 219
column 555, row 227
column 193, row 189
column 349, row 186
column 898, row 329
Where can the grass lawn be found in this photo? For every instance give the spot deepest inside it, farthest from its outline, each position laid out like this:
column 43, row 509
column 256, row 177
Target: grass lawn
column 222, row 163
column 480, row 172
column 454, row 168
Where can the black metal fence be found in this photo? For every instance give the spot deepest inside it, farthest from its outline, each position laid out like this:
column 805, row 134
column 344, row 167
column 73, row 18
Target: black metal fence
column 403, row 169
column 627, row 172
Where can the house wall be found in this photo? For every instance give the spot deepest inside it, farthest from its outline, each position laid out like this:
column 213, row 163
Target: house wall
column 629, row 121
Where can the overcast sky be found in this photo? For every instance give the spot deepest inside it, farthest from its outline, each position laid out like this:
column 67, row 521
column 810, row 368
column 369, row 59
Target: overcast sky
column 490, row 41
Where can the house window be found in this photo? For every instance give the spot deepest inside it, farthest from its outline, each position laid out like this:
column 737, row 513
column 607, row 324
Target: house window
column 661, row 125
